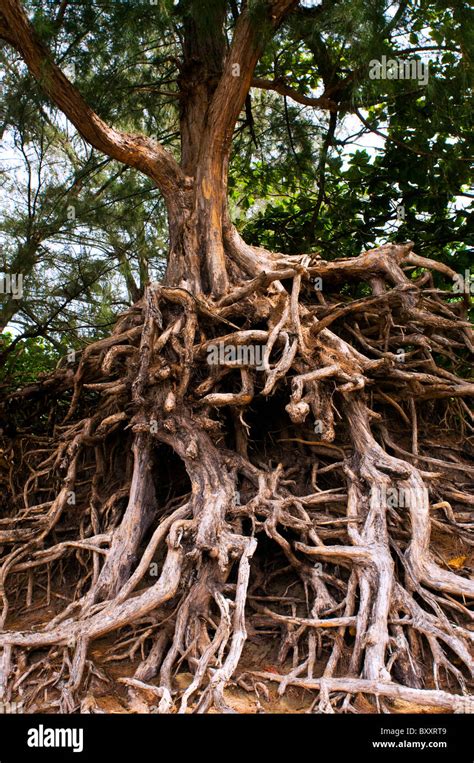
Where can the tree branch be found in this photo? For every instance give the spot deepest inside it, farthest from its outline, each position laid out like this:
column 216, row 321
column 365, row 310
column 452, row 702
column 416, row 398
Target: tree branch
column 136, row 151
column 279, row 86
column 247, row 47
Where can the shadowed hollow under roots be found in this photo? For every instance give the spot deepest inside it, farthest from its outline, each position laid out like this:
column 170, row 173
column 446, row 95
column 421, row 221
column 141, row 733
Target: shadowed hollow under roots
column 306, row 499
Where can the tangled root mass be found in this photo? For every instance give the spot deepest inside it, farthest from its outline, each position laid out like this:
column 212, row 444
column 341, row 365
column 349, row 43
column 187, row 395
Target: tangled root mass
column 171, row 506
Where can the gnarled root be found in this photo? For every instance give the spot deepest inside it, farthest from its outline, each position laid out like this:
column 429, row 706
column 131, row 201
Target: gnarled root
column 304, row 484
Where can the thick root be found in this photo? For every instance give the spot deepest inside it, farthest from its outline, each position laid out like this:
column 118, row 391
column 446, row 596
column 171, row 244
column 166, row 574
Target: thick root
column 240, row 449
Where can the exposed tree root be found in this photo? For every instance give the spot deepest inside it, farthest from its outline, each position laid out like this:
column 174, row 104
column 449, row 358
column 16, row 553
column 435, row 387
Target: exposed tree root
column 343, row 450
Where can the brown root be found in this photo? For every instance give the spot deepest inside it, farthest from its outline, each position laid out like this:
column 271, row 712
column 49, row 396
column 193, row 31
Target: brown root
column 327, row 454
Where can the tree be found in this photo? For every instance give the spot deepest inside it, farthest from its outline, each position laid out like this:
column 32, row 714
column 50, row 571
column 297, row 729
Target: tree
column 75, row 220
column 319, row 402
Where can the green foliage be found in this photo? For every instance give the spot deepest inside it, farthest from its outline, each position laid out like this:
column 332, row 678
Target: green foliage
column 30, row 358
column 296, row 193
column 300, row 181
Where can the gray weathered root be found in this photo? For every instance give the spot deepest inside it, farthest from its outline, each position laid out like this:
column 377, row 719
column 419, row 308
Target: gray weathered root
column 349, row 447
